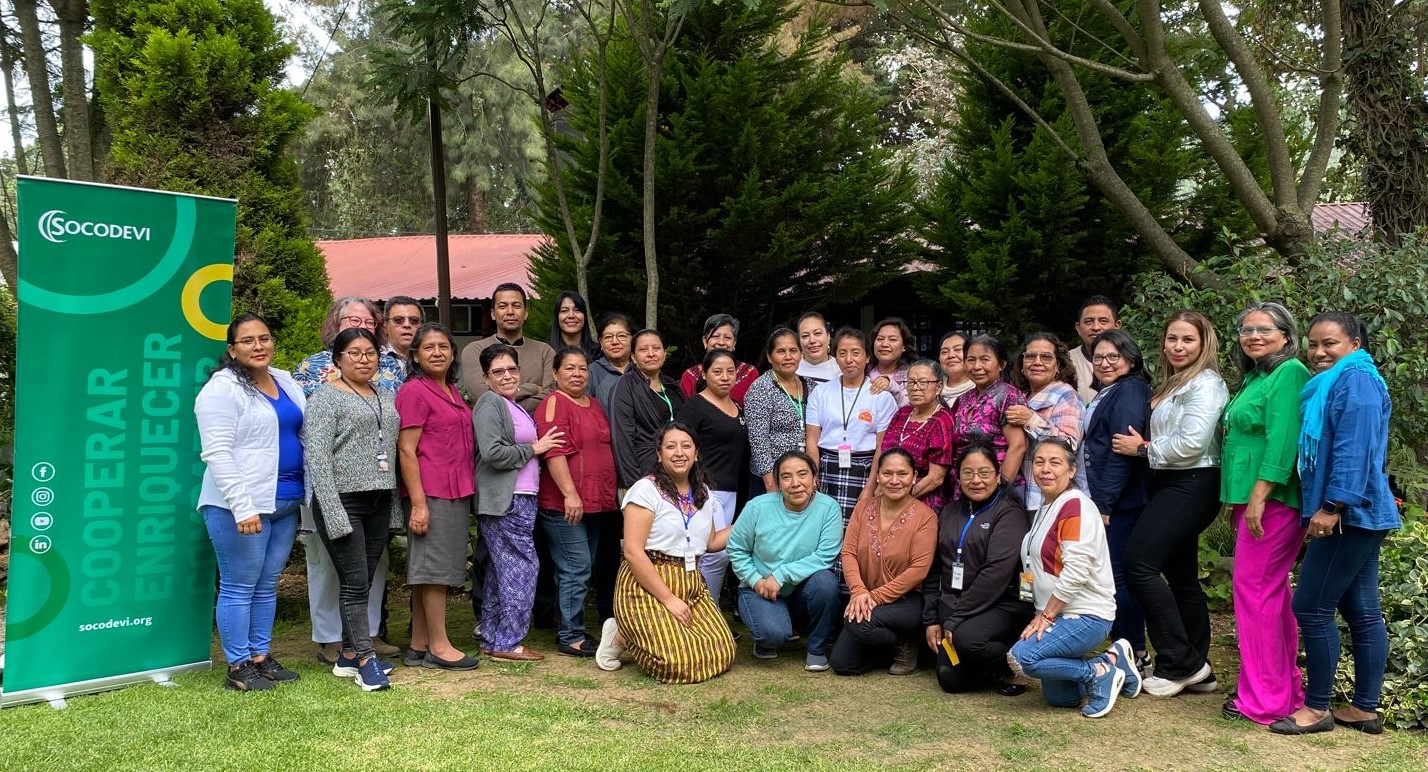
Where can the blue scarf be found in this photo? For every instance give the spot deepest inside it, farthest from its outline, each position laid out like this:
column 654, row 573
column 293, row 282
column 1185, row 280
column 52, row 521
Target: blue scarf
column 1316, row 395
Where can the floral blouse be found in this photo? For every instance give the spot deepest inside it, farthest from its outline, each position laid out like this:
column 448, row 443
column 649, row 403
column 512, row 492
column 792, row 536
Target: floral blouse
column 319, row 369
column 980, row 414
column 775, row 421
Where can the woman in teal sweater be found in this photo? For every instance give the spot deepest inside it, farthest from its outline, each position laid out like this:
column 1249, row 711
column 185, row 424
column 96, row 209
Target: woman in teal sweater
column 1259, row 481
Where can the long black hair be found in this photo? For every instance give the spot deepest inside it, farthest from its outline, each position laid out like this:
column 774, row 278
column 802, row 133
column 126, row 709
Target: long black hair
column 699, row 483
column 1129, row 351
column 557, row 340
column 227, row 362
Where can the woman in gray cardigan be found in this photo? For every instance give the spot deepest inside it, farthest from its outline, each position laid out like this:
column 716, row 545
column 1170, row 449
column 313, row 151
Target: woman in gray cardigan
column 350, row 443
column 507, row 480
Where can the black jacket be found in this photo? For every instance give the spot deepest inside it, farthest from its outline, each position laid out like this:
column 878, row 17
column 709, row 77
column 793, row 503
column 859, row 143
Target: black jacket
column 1117, row 483
column 991, row 561
column 636, row 415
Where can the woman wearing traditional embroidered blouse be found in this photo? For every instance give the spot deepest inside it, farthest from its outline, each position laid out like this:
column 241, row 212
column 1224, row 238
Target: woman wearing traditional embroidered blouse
column 887, row 550
column 665, row 619
column 981, row 414
column 721, row 331
column 775, row 405
column 1162, row 564
column 923, row 428
column 1053, row 408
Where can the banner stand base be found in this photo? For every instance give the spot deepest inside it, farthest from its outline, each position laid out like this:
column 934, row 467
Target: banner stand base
column 57, row 694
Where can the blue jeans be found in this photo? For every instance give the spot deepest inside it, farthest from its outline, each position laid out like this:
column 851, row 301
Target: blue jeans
column 248, row 569
column 1341, row 571
column 572, row 549
column 1058, row 659
column 814, row 604
column 1130, row 620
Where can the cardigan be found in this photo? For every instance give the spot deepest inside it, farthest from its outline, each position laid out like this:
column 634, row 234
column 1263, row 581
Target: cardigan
column 498, row 456
column 991, row 560
column 1262, row 435
column 888, row 564
column 238, row 430
column 775, row 421
column 1117, row 483
column 343, row 433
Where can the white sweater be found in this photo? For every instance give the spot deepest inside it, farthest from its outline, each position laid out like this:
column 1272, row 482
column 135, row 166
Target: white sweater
column 1067, row 555
column 239, row 432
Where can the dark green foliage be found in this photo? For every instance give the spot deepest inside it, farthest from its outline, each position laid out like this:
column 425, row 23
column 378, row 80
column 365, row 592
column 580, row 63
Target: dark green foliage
column 773, row 194
column 191, row 91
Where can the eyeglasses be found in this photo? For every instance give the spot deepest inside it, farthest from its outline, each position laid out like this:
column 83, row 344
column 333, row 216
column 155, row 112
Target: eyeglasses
column 1247, row 332
column 1106, row 359
column 401, row 321
column 360, row 356
column 358, row 321
column 977, row 474
column 1038, row 356
column 247, row 342
column 614, row 337
column 921, row 384
column 502, row 372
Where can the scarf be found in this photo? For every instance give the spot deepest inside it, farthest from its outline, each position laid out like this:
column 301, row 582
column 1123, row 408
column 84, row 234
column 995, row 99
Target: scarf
column 1316, row 395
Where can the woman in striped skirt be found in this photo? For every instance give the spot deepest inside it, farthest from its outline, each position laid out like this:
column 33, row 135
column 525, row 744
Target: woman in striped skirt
column 845, row 425
column 665, row 619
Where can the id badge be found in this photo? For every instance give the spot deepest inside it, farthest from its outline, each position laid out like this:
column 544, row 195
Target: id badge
column 382, row 465
column 956, row 576
column 689, row 562
column 1024, row 588
column 845, row 456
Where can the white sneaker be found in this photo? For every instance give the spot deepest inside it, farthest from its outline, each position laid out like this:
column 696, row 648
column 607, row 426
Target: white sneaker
column 1168, row 687
column 607, row 654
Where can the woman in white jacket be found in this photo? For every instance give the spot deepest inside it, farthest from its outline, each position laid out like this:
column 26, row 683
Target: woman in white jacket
column 250, row 423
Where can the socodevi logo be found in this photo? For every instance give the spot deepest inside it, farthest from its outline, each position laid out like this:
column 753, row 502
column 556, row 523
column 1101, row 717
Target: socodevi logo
column 55, row 226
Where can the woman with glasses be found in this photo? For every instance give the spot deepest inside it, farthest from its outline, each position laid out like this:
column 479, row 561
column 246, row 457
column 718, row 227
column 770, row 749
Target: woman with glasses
column 1258, row 481
column 613, row 333
column 923, row 429
column 644, row 400
column 350, row 438
column 1053, row 408
column 347, row 313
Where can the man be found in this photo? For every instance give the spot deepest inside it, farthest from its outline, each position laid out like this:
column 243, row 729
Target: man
column 537, row 360
column 403, row 316
column 1098, row 314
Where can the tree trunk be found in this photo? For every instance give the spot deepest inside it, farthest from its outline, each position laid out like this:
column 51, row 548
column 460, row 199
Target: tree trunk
column 7, row 62
column 478, row 214
column 438, row 194
column 9, row 265
column 73, row 15
column 37, row 72
column 651, row 137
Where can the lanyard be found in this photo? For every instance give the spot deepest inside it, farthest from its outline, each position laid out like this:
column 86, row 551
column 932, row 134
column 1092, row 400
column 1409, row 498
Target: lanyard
column 376, row 410
column 667, row 403
column 963, row 538
column 848, row 411
column 685, row 504
column 797, row 403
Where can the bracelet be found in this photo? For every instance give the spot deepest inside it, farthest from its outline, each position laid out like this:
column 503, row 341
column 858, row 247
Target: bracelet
column 1048, row 617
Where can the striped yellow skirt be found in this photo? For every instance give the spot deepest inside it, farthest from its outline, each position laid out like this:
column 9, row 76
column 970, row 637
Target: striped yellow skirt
column 666, row 650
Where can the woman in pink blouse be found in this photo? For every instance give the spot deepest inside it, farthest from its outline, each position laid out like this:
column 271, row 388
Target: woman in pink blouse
column 923, row 428
column 1053, row 408
column 981, row 414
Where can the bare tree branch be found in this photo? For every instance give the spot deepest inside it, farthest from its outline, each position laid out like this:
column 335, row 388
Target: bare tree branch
column 1326, row 122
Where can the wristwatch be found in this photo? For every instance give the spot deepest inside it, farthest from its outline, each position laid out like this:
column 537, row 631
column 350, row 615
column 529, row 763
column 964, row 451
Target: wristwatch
column 1334, row 507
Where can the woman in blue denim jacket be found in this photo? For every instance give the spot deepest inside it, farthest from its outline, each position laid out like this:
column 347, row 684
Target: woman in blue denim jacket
column 1349, row 509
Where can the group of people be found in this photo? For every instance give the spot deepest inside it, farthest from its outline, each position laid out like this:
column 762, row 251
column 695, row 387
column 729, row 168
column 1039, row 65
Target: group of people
column 996, row 516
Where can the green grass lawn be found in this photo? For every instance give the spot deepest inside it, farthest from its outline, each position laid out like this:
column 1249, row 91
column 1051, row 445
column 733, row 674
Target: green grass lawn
column 566, row 714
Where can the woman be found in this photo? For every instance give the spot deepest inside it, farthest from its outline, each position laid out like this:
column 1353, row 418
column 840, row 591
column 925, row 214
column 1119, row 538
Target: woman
column 577, row 493
column 250, row 425
column 644, row 400
column 954, row 368
column 892, row 353
column 347, row 313
column 980, row 415
column 350, row 439
column 846, row 424
column 437, row 449
column 721, row 331
column 814, row 335
column 970, row 603
column 614, row 333
column 783, row 549
column 1184, row 455
column 775, row 406
column 1053, row 408
column 507, row 481
column 665, row 619
column 1343, row 446
column 719, row 424
column 1258, row 481
column 570, row 326
column 1067, row 567
column 923, row 428
column 887, row 551
column 1115, row 481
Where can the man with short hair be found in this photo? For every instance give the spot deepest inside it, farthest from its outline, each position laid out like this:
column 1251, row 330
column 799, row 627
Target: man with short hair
column 537, row 360
column 403, row 315
column 1098, row 314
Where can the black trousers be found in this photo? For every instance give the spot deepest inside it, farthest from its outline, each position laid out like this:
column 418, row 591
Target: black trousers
column 355, row 556
column 611, row 528
column 1162, row 567
column 865, row 646
column 982, row 643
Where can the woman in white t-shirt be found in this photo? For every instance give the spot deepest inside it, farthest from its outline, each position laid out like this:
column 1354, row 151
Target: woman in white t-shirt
column 665, row 619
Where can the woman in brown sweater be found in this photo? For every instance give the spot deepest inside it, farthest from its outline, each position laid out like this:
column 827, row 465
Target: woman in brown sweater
column 887, row 551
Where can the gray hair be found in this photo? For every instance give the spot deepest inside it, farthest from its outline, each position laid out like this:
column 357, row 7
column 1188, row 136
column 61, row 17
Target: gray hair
column 933, row 365
column 333, row 321
column 720, row 320
column 1284, row 321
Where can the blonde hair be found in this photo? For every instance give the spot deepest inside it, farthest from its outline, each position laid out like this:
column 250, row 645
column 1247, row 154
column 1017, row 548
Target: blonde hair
column 1209, row 358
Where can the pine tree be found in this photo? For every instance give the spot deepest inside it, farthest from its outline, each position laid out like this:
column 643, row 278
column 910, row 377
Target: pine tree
column 191, row 90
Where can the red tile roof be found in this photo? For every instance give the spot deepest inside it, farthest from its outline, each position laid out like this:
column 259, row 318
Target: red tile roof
column 406, row 265
column 1352, row 218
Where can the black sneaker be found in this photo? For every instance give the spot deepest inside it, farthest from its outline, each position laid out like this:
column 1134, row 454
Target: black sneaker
column 246, row 678
column 271, row 670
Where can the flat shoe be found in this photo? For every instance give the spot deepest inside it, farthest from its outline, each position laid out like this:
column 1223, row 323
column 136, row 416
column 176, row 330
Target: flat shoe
column 414, row 658
column 1231, row 711
column 1286, row 725
column 1011, row 690
column 585, row 648
column 518, row 654
column 1371, row 726
column 436, row 663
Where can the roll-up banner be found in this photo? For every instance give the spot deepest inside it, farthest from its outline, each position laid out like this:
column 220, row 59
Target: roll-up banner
column 124, row 297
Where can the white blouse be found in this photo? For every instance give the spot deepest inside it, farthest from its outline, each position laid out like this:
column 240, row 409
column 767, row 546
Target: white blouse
column 670, row 533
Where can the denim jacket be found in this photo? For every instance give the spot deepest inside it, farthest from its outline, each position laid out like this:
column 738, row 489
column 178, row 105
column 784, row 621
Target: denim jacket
column 1353, row 456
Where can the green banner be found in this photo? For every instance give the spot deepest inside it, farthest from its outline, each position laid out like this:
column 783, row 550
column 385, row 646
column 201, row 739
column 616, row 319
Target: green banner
column 124, row 297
